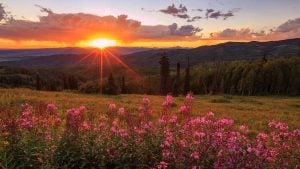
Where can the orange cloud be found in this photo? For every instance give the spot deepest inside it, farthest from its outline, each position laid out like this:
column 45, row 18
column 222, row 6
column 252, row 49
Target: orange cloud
column 75, row 27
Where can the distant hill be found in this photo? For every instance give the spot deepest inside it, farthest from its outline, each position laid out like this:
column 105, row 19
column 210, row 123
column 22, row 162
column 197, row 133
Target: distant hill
column 226, row 51
column 146, row 58
column 25, row 54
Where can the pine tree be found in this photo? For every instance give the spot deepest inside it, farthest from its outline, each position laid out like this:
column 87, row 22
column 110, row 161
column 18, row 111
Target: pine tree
column 65, row 83
column 123, row 87
column 187, row 87
column 111, row 86
column 164, row 74
column 177, row 81
column 38, row 82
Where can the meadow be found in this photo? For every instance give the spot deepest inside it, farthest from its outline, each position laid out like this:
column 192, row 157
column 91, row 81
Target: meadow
column 254, row 111
column 70, row 130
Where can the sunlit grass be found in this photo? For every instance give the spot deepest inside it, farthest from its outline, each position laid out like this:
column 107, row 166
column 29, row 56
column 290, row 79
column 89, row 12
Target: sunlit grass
column 254, row 111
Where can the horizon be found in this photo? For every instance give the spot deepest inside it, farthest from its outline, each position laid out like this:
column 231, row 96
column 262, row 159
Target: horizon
column 146, row 47
column 189, row 23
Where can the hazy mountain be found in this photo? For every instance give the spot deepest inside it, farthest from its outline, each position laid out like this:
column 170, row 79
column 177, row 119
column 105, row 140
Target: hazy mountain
column 146, row 58
column 227, row 51
column 25, row 54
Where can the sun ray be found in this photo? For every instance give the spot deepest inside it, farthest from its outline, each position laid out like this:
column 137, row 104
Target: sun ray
column 123, row 64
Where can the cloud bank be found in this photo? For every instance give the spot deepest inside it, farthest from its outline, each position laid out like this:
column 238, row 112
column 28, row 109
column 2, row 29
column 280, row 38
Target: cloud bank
column 71, row 28
column 287, row 30
column 74, row 27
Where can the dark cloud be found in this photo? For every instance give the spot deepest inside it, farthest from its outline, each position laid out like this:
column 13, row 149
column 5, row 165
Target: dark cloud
column 195, row 18
column 3, row 13
column 186, row 30
column 170, row 32
column 47, row 10
column 182, row 12
column 199, row 10
column 179, row 12
column 219, row 14
column 173, row 10
column 290, row 25
column 208, row 11
column 183, row 16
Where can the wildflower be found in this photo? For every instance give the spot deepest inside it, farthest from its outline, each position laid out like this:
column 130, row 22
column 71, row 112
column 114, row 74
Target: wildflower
column 51, row 107
column 173, row 119
column 121, row 111
column 199, row 135
column 85, row 125
column 146, row 101
column 195, row 155
column 183, row 109
column 244, row 128
column 162, row 165
column 47, row 136
column 189, row 96
column 82, row 108
column 168, row 101
column 210, row 114
column 112, row 107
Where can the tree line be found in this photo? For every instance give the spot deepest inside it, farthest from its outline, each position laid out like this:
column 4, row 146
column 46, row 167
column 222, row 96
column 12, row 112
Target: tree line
column 273, row 76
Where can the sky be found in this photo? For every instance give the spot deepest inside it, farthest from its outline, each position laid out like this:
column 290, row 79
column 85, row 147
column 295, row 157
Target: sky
column 147, row 23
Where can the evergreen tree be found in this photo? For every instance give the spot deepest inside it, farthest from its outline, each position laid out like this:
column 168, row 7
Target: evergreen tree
column 177, row 81
column 123, row 87
column 65, row 83
column 111, row 86
column 73, row 83
column 187, row 87
column 38, row 82
column 164, row 74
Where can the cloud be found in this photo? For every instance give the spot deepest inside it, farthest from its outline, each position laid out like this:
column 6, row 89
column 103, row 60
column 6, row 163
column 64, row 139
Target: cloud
column 179, row 12
column 186, row 30
column 208, row 11
column 170, row 32
column 219, row 14
column 43, row 9
column 74, row 27
column 290, row 25
column 195, row 18
column 173, row 10
column 182, row 12
column 199, row 10
column 3, row 13
column 287, row 30
column 237, row 34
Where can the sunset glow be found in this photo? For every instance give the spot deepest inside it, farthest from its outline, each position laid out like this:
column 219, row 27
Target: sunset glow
column 100, row 24
column 102, row 43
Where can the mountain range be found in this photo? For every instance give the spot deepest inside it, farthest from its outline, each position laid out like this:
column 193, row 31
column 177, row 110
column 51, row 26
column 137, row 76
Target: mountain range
column 148, row 57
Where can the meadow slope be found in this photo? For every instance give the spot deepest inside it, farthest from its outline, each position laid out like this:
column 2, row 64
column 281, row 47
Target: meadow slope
column 254, row 111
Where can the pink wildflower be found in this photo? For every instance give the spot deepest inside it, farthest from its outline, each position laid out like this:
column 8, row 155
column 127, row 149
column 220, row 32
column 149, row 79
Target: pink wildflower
column 121, row 111
column 112, row 107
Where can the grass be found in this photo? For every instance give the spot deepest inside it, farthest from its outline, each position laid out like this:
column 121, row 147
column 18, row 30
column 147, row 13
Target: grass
column 254, row 111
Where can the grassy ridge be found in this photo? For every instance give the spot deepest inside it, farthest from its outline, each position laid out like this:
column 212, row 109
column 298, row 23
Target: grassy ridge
column 253, row 111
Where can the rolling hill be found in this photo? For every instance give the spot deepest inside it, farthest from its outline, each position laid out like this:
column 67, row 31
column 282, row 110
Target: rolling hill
column 148, row 58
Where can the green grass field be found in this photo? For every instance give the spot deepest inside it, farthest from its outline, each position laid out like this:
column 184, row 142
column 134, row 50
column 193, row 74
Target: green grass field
column 254, row 111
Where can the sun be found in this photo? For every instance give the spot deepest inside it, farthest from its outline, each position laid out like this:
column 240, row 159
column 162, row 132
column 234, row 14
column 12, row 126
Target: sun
column 102, row 43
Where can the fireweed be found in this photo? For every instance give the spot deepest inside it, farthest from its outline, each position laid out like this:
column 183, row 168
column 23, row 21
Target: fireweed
column 43, row 137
